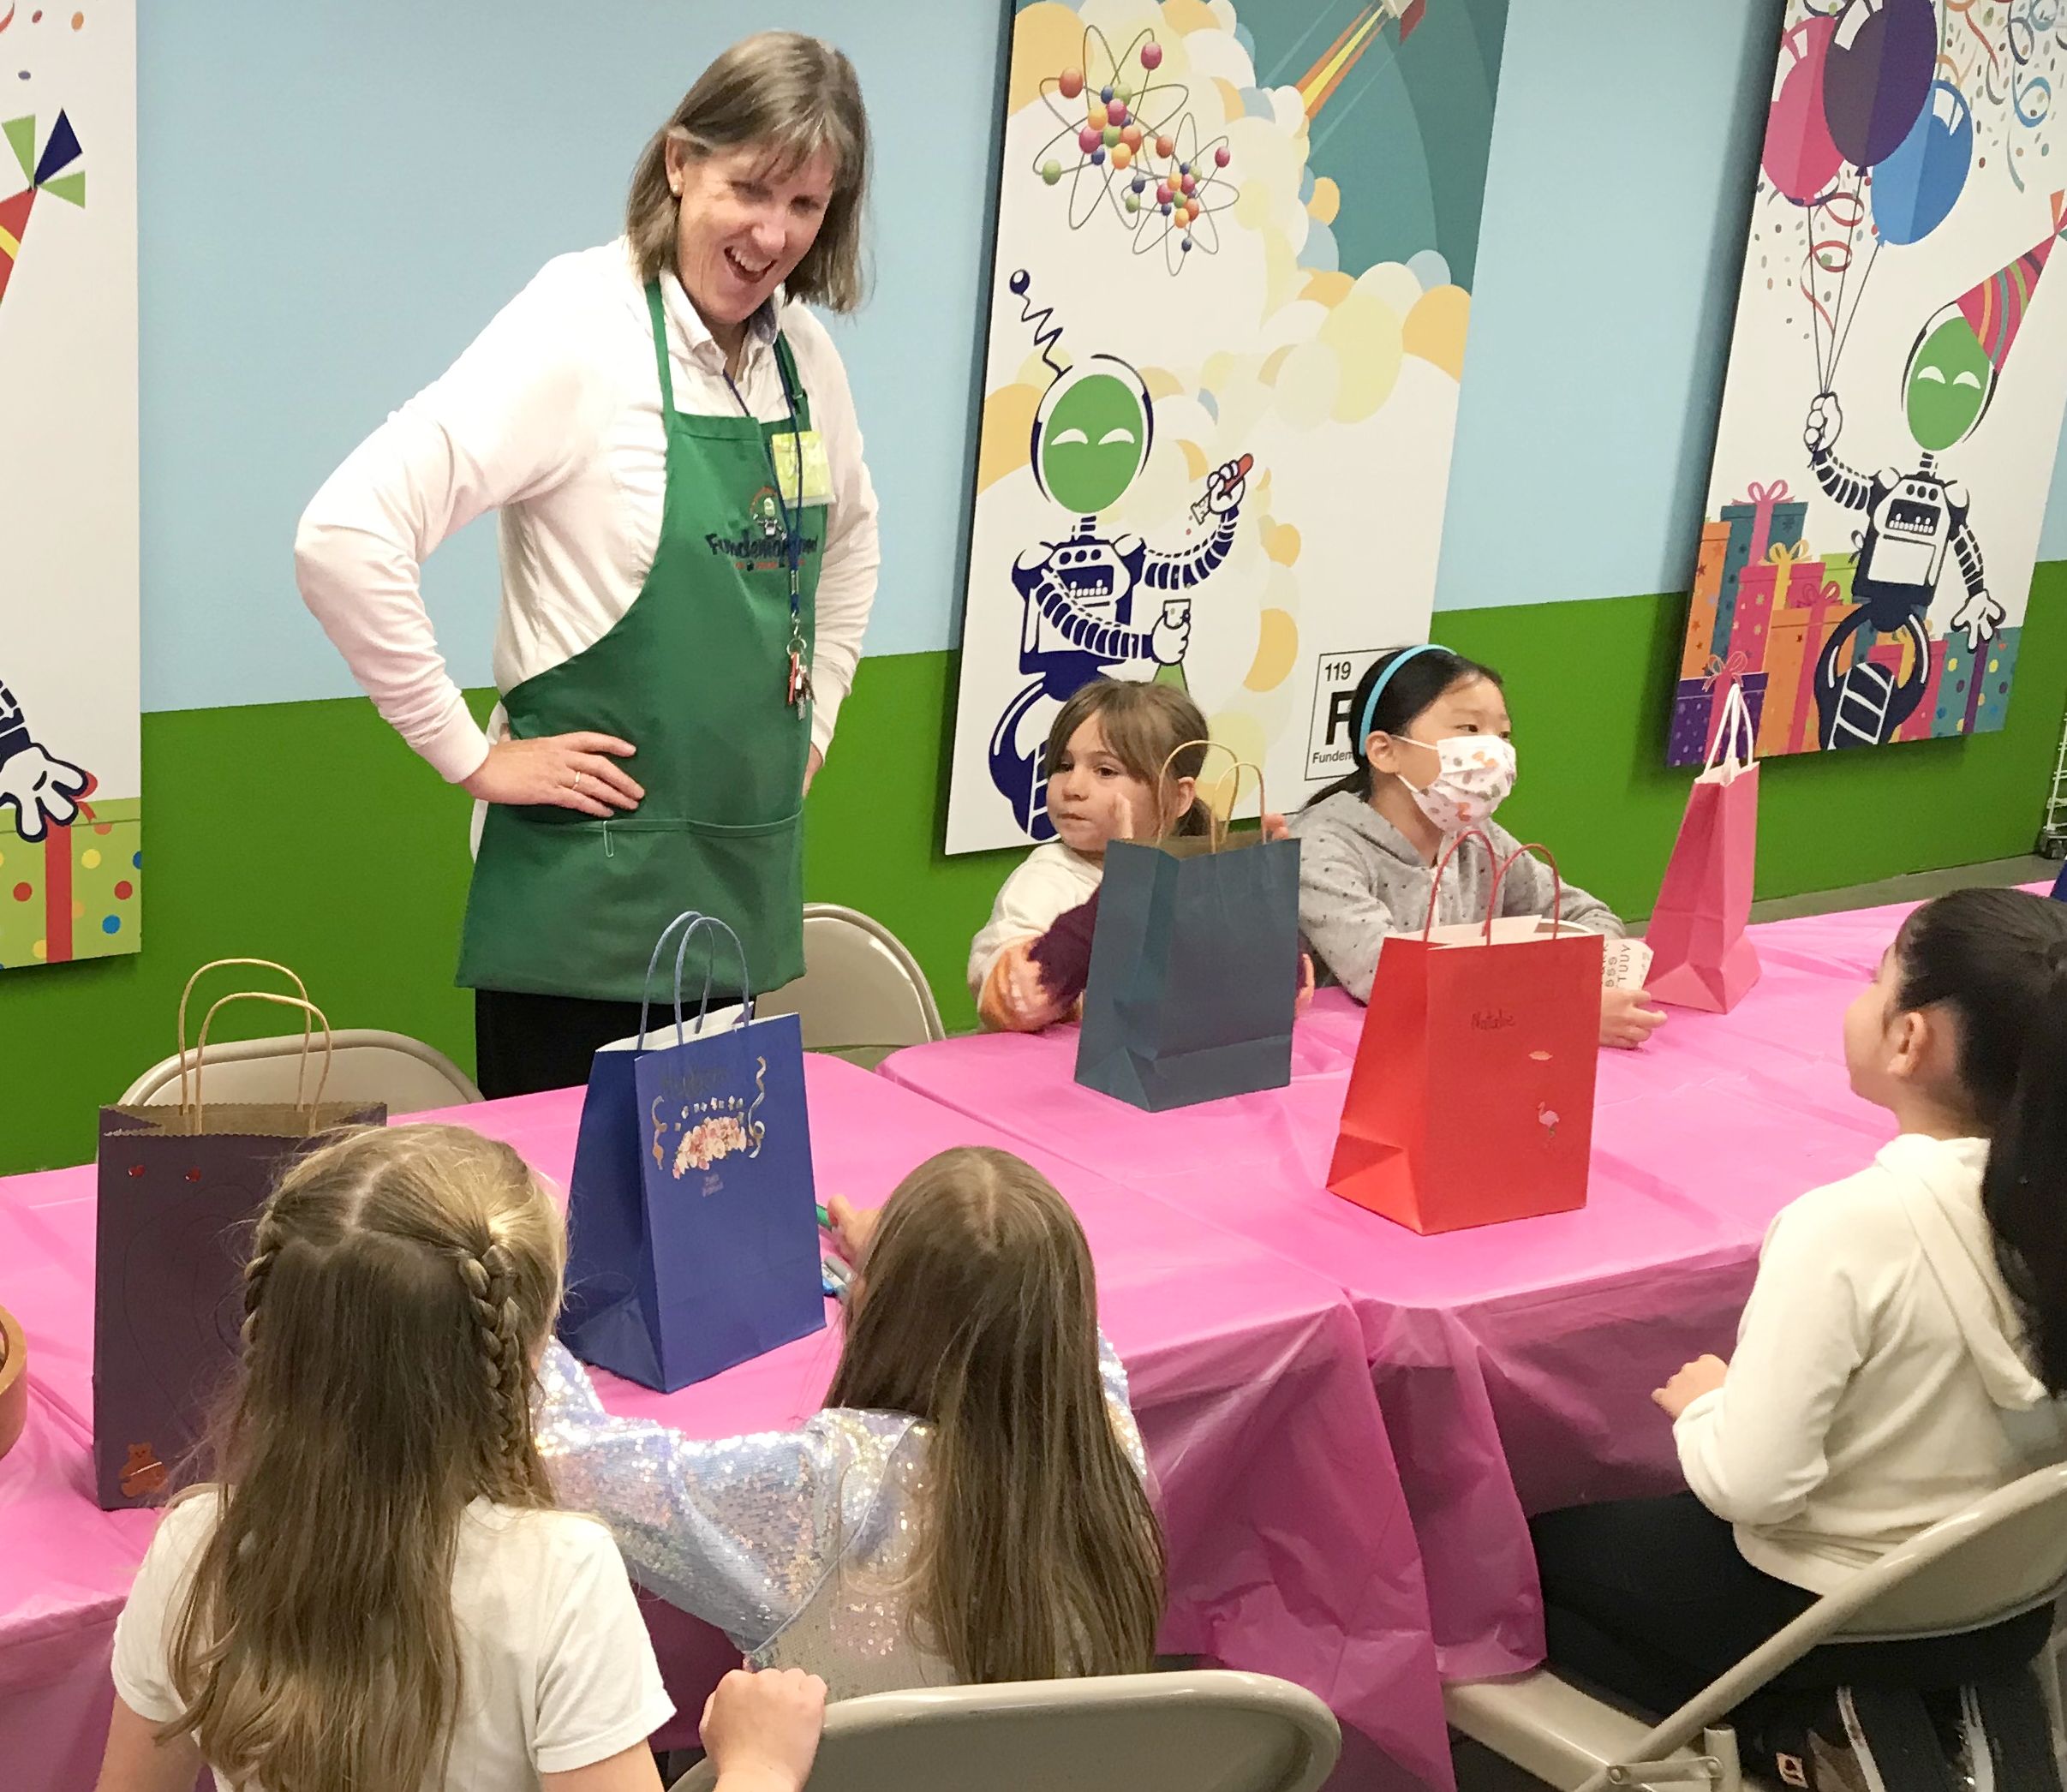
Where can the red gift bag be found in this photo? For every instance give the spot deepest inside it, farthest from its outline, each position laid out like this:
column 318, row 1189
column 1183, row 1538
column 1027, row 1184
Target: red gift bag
column 1701, row 956
column 1470, row 1100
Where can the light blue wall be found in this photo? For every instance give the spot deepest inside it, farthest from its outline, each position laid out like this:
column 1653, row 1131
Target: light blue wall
column 335, row 198
column 1617, row 196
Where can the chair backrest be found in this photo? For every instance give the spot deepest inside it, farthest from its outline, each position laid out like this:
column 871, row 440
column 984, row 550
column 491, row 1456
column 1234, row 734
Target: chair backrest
column 367, row 1065
column 1204, row 1731
column 2004, row 1554
column 862, row 993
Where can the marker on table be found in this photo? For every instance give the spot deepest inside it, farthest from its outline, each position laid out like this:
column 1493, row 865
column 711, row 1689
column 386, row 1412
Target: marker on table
column 825, row 1219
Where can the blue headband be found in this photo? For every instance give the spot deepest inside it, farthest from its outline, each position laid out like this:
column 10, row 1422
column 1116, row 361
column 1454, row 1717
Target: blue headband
column 1377, row 690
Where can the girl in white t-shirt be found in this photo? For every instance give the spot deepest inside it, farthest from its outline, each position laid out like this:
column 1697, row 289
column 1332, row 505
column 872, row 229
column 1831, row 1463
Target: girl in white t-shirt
column 376, row 1591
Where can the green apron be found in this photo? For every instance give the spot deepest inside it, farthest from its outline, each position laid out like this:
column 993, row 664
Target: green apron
column 694, row 676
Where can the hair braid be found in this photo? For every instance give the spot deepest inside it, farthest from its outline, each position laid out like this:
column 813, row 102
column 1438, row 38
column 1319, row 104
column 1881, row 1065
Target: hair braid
column 490, row 1277
column 264, row 1246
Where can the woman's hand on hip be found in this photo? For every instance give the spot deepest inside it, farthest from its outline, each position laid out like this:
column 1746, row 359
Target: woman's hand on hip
column 810, row 768
column 562, row 771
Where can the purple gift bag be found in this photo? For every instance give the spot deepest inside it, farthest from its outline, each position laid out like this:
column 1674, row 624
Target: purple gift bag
column 179, row 1188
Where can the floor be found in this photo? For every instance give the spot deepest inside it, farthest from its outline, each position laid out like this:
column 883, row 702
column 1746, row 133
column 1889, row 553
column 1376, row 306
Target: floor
column 1916, row 887
column 1478, row 1771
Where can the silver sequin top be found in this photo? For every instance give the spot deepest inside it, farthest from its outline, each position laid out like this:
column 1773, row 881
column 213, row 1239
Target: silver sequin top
column 798, row 1545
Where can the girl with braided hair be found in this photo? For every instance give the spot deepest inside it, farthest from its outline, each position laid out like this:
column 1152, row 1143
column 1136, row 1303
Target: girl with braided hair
column 375, row 1593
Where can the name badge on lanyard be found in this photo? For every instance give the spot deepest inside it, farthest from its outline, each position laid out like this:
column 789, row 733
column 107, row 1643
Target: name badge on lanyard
column 802, row 474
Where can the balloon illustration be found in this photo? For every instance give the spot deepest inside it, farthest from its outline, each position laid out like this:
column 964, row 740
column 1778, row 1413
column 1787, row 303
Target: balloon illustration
column 1800, row 159
column 1877, row 75
column 1917, row 185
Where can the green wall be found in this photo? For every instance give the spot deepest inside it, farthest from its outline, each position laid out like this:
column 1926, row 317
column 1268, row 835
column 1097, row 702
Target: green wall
column 307, row 833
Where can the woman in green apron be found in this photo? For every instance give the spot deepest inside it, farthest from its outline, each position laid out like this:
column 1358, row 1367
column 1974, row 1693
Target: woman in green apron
column 689, row 554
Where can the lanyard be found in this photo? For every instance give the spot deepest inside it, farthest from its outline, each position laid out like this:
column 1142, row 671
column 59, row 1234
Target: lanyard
column 796, row 687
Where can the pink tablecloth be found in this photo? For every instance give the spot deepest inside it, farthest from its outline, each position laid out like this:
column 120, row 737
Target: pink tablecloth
column 1290, row 1548
column 1513, row 1365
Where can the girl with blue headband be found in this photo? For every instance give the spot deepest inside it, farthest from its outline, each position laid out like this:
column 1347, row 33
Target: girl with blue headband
column 1433, row 758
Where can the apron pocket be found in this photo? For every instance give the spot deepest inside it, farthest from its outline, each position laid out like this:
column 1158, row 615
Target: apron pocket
column 749, row 875
column 591, row 896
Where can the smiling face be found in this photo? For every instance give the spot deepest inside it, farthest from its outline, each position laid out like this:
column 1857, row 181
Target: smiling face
column 1949, row 382
column 1092, row 436
column 748, row 218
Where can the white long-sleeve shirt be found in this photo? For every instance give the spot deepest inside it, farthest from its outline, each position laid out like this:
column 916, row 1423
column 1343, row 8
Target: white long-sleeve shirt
column 1046, row 885
column 1881, row 1382
column 551, row 417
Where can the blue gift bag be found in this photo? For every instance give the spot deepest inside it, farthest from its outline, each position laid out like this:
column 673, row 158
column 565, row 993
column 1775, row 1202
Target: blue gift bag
column 692, row 1225
column 1194, row 973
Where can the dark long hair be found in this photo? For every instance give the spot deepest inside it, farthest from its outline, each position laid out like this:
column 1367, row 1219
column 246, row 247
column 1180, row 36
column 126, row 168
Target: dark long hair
column 1997, row 959
column 1412, row 689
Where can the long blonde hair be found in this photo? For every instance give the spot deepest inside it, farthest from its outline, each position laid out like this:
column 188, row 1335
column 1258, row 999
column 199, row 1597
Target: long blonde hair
column 400, row 1284
column 795, row 96
column 977, row 1310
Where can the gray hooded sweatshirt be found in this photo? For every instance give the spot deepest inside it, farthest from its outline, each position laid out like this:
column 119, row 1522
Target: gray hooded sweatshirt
column 1361, row 879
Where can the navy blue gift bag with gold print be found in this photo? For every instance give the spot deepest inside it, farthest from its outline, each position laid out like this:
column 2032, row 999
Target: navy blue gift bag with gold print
column 692, row 1230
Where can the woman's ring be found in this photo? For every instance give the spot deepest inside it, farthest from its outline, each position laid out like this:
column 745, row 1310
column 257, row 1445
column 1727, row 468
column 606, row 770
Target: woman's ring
column 577, row 784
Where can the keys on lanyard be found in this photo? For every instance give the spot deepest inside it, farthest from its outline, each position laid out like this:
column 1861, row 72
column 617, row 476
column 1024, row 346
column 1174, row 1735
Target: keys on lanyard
column 796, row 675
column 796, row 688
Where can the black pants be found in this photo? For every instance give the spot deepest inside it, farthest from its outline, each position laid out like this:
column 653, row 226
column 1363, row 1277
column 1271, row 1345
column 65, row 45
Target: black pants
column 524, row 1043
column 1650, row 1600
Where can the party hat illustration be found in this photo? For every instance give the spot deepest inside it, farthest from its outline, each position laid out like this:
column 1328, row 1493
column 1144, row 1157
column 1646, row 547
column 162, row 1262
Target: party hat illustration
column 1994, row 309
column 46, row 174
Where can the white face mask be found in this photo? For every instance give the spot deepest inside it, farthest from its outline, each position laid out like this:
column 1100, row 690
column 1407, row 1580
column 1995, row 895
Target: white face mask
column 1474, row 775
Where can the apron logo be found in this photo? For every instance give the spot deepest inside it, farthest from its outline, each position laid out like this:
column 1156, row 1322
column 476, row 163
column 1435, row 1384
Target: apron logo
column 758, row 546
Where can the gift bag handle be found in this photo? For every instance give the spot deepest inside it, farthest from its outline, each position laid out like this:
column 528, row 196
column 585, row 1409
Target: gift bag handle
column 312, row 1017
column 1434, row 883
column 746, row 992
column 1736, row 719
column 1557, row 893
column 1216, row 830
column 186, row 995
column 689, row 920
column 652, row 964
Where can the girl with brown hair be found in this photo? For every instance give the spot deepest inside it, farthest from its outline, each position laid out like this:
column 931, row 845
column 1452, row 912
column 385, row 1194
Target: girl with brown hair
column 969, row 1505
column 374, row 1593
column 1122, row 764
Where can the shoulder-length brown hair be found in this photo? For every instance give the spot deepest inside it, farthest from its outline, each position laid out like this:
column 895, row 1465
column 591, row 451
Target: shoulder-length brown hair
column 1156, row 730
column 401, row 1281
column 794, row 96
column 976, row 1310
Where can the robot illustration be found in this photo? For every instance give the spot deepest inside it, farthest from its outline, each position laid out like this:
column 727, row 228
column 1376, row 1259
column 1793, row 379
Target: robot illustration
column 1087, row 596
column 1914, row 520
column 38, row 786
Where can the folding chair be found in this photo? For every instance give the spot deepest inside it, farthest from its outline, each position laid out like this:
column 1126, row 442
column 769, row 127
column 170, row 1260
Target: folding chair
column 1209, row 1730
column 2003, row 1556
column 861, row 995
column 367, row 1065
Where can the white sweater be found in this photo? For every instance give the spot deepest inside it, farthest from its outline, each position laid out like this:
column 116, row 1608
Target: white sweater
column 1881, row 1380
column 1047, row 885
column 553, row 417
